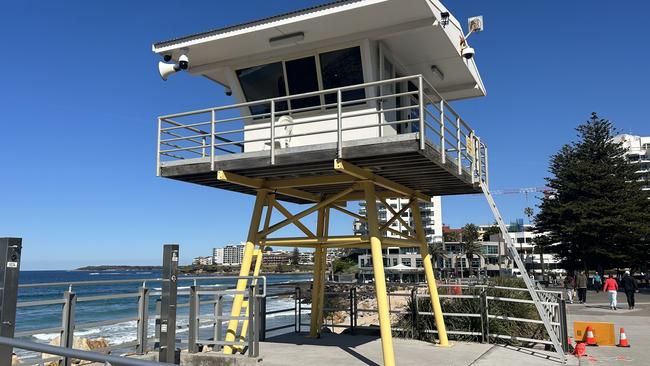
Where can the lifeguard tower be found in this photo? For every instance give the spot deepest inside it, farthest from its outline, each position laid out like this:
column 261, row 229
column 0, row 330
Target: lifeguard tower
column 346, row 101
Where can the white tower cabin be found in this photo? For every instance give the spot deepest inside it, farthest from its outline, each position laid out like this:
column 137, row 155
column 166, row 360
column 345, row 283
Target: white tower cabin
column 340, row 102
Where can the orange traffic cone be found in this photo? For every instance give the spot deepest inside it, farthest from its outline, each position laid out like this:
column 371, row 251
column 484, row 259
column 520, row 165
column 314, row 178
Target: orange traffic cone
column 591, row 340
column 623, row 340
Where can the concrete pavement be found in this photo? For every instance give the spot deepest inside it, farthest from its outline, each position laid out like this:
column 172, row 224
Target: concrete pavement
column 636, row 323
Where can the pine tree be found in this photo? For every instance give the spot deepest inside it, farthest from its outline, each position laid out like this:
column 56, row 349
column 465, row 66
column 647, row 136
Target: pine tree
column 598, row 213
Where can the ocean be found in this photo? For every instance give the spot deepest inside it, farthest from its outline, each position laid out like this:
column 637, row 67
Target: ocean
column 34, row 318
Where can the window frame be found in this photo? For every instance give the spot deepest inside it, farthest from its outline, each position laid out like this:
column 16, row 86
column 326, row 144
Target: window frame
column 366, row 72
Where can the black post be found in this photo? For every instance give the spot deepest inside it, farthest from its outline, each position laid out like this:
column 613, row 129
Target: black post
column 414, row 311
column 485, row 332
column 262, row 311
column 143, row 319
column 351, row 310
column 167, row 323
column 9, row 270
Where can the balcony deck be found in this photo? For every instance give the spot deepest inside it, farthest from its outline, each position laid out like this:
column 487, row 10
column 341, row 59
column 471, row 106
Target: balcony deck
column 400, row 158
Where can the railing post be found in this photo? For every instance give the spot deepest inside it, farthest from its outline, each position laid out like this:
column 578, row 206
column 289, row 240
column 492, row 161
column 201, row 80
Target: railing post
column 339, row 123
column 351, row 310
column 158, row 148
column 414, row 311
column 218, row 322
column 67, row 324
column 203, row 151
column 272, row 132
column 297, row 319
column 262, row 319
column 472, row 145
column 564, row 330
column 257, row 300
column 356, row 308
column 212, row 132
column 485, row 330
column 251, row 322
column 167, row 322
column 143, row 320
column 459, row 146
column 10, row 249
column 487, row 174
column 443, row 149
column 193, row 331
column 421, row 111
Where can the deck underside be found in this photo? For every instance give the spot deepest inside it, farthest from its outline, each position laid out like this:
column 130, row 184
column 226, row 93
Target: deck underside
column 397, row 158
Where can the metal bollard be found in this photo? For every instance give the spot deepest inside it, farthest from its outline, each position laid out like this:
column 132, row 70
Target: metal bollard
column 168, row 352
column 10, row 249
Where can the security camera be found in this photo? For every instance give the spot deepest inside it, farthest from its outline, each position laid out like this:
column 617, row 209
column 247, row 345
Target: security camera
column 183, row 62
column 166, row 69
column 167, row 58
column 467, row 53
column 228, row 91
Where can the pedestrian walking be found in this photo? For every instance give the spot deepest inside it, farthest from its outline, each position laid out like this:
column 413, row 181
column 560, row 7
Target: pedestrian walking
column 569, row 287
column 598, row 282
column 630, row 287
column 581, row 284
column 611, row 287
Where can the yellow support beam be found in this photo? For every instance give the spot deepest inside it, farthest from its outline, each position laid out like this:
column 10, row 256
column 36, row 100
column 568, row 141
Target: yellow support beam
column 312, row 242
column 289, row 215
column 309, row 181
column 431, row 279
column 380, row 279
column 324, row 203
column 253, row 238
column 353, row 170
column 258, row 183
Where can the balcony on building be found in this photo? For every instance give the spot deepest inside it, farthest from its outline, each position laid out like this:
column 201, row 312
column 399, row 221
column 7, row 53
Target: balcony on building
column 366, row 81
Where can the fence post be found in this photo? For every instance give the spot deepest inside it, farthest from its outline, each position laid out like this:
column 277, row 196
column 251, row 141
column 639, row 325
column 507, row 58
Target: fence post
column 356, row 309
column 262, row 320
column 251, row 321
column 167, row 323
column 297, row 320
column 352, row 310
column 414, row 311
column 212, row 132
column 193, row 330
column 143, row 320
column 10, row 249
column 156, row 345
column 257, row 300
column 218, row 322
column 67, row 324
column 485, row 331
column 564, row 331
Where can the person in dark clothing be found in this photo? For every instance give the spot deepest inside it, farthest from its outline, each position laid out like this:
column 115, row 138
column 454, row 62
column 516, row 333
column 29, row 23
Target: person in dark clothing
column 630, row 286
column 581, row 284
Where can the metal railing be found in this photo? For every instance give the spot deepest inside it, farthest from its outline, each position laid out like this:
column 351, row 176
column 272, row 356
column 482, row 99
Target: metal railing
column 553, row 302
column 414, row 107
column 146, row 296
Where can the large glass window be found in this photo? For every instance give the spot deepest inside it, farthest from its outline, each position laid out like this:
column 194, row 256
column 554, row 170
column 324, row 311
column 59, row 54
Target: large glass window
column 302, row 78
column 263, row 82
column 342, row 68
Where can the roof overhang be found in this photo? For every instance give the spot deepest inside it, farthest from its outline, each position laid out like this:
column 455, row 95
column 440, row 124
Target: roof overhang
column 411, row 29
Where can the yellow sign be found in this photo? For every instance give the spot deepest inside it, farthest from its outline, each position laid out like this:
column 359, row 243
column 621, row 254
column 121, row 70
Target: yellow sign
column 604, row 332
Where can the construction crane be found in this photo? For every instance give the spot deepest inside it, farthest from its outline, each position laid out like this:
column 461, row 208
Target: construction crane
column 545, row 190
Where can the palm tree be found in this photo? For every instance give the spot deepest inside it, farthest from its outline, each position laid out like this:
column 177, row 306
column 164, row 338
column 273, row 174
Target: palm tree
column 436, row 251
column 470, row 244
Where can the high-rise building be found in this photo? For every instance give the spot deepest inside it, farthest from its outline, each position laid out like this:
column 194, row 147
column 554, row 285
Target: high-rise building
column 217, row 255
column 233, row 254
column 431, row 218
column 638, row 153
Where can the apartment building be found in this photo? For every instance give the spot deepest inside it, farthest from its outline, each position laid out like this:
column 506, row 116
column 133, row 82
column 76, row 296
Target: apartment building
column 638, row 153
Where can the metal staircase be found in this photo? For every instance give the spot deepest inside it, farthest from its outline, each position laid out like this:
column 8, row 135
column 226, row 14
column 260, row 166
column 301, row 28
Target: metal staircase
column 512, row 251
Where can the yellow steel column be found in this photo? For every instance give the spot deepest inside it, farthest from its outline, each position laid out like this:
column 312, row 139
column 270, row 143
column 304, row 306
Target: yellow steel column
column 317, row 284
column 233, row 325
column 428, row 271
column 323, row 270
column 380, row 279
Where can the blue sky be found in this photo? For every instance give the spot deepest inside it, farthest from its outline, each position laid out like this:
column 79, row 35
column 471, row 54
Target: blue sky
column 79, row 93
